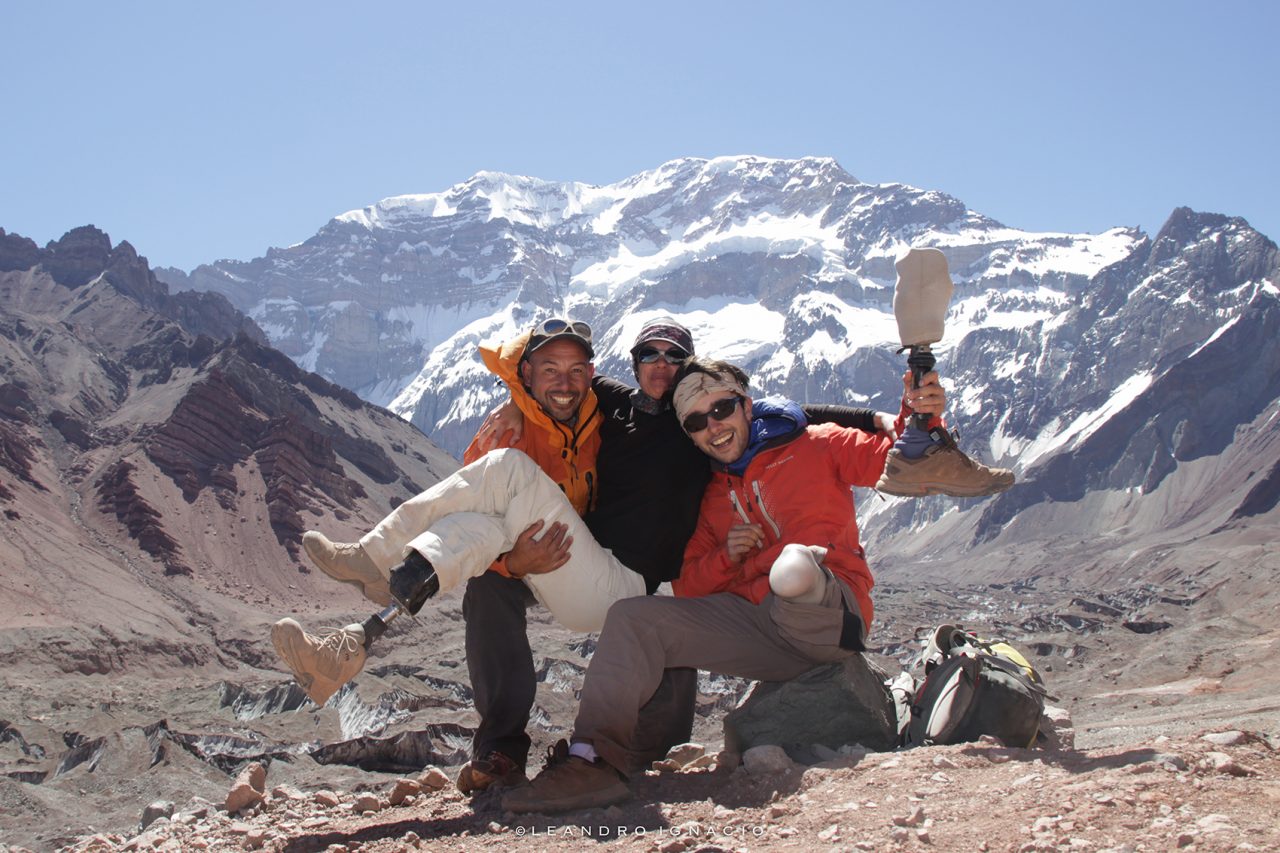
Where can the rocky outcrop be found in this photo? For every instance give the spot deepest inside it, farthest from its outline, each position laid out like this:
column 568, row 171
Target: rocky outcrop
column 834, row 705
column 118, row 495
column 78, row 257
column 405, row 752
column 211, row 314
column 17, row 443
column 17, row 252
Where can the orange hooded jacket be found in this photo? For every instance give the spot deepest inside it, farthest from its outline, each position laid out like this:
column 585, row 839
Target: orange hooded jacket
column 566, row 453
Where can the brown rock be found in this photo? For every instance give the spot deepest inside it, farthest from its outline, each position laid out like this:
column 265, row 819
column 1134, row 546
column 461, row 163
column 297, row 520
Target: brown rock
column 328, row 799
column 433, row 779
column 684, row 753
column 404, row 789
column 367, row 803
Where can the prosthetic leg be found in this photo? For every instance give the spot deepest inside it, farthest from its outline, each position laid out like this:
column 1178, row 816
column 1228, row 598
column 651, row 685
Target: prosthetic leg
column 321, row 664
column 927, row 461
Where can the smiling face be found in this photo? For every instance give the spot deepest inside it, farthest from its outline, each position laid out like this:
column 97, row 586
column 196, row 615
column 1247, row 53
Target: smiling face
column 558, row 375
column 724, row 441
column 658, row 377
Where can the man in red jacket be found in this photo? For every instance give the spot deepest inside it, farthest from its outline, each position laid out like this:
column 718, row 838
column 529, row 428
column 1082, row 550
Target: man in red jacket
column 774, row 580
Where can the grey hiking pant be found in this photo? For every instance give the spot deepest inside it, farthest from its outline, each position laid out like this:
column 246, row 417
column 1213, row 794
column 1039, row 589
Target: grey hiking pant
column 775, row 640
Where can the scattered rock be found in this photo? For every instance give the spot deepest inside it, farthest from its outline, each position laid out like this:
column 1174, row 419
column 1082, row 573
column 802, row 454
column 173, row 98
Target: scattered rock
column 328, row 799
column 287, row 792
column 767, row 760
column 248, row 790
column 404, row 788
column 1228, row 738
column 158, row 809
column 367, row 803
column 915, row 818
column 433, row 779
column 1220, row 762
column 1058, row 731
column 685, row 753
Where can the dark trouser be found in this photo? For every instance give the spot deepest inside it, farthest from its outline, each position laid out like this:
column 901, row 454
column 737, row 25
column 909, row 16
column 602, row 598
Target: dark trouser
column 500, row 663
column 503, row 680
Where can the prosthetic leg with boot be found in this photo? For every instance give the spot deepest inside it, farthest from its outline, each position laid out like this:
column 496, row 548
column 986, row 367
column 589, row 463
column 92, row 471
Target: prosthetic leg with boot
column 927, row 461
column 322, row 664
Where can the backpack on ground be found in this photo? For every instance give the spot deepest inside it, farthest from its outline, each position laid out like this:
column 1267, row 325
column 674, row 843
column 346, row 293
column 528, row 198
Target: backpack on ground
column 973, row 687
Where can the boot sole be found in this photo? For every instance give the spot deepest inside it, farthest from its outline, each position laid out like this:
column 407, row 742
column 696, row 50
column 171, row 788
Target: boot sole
column 922, row 490
column 376, row 594
column 593, row 800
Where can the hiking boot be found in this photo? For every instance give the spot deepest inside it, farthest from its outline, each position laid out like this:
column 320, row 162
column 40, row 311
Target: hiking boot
column 494, row 770
column 347, row 562
column 568, row 783
column 942, row 470
column 320, row 665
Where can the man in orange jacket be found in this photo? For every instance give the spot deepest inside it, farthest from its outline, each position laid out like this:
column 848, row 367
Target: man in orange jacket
column 486, row 515
column 774, row 580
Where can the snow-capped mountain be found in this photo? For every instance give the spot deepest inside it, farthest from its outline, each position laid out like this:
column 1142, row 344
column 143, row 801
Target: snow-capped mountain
column 1054, row 340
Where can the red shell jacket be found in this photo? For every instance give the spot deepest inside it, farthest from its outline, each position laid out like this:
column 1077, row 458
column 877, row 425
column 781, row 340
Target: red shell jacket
column 799, row 492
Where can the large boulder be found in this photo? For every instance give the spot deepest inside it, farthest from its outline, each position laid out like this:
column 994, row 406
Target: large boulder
column 834, row 705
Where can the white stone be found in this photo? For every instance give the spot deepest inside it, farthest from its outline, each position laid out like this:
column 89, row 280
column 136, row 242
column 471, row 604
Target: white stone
column 767, row 760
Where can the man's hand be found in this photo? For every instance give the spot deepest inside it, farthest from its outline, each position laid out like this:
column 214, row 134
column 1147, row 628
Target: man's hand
column 742, row 540
column 929, row 398
column 502, row 427
column 530, row 556
column 885, row 422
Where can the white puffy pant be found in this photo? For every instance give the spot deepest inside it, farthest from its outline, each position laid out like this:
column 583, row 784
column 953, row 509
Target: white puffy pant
column 463, row 523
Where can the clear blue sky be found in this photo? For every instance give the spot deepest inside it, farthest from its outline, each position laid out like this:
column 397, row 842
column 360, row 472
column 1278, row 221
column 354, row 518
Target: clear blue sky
column 199, row 131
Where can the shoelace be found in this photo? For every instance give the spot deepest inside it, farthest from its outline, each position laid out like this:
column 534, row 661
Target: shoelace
column 340, row 640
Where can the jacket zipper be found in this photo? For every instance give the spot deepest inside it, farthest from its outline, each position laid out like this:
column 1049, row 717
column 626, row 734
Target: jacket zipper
column 764, row 511
column 737, row 505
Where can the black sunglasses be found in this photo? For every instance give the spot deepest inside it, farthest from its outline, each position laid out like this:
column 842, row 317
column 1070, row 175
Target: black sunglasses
column 697, row 422
column 675, row 355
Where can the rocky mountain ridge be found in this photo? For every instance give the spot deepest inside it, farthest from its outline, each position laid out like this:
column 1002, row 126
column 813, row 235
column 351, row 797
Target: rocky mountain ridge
column 1103, row 368
column 162, row 467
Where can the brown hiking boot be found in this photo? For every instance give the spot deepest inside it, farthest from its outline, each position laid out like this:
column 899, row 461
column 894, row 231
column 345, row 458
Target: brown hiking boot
column 320, row 665
column 943, row 470
column 347, row 562
column 568, row 783
column 494, row 770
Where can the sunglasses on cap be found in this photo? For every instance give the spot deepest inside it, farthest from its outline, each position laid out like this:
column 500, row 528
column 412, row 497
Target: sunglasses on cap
column 649, row 355
column 697, row 422
column 558, row 326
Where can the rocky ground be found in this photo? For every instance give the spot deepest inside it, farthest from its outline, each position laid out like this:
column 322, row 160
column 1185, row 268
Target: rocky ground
column 1217, row 792
column 1146, row 672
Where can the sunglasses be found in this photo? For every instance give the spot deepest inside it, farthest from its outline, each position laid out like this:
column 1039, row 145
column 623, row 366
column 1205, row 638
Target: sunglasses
column 675, row 355
column 557, row 326
column 697, row 422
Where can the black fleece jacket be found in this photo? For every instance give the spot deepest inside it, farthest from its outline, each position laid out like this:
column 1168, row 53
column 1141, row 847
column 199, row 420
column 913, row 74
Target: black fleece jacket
column 651, row 478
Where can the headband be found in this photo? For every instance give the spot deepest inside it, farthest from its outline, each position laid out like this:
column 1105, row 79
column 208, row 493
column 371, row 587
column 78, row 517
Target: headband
column 697, row 385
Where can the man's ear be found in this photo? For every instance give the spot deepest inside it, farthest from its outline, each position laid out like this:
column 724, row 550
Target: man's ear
column 525, row 368
column 591, row 370
column 746, row 407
